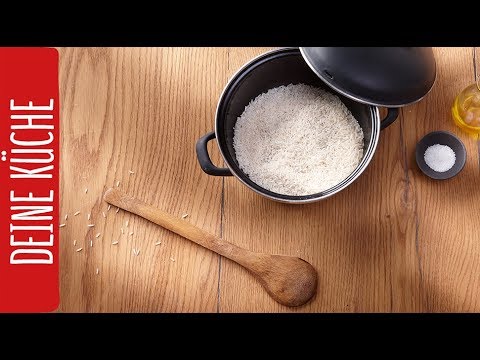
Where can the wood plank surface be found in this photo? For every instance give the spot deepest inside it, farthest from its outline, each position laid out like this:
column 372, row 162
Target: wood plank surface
column 394, row 241
column 448, row 233
column 140, row 110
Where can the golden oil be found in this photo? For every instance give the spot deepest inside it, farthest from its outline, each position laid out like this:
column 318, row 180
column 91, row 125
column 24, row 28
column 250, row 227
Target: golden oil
column 466, row 110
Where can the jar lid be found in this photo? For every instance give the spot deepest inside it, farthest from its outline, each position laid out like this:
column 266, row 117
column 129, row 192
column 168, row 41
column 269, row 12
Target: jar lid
column 381, row 76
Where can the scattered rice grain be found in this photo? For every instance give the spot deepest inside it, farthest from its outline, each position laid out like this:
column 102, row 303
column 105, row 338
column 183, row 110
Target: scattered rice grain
column 98, row 235
column 109, row 206
column 131, row 172
column 115, row 243
column 118, row 183
column 103, row 213
column 88, row 217
column 91, row 225
column 91, row 243
column 62, row 225
column 66, row 217
column 116, row 211
column 79, row 249
column 131, row 233
column 121, row 230
column 97, row 271
column 126, row 223
column 158, row 243
column 184, row 216
column 74, row 242
column 76, row 213
column 172, row 259
column 86, row 190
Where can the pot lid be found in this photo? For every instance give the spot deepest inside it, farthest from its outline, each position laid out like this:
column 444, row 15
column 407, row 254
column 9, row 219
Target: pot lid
column 381, row 76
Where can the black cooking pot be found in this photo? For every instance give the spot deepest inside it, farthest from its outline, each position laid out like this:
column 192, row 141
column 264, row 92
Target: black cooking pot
column 291, row 66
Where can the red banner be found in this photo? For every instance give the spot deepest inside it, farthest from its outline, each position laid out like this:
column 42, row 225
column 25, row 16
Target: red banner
column 29, row 190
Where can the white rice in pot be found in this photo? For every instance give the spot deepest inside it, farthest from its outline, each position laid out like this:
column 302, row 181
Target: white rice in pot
column 297, row 140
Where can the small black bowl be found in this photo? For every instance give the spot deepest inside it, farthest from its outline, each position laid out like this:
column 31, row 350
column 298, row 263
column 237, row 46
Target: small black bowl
column 442, row 138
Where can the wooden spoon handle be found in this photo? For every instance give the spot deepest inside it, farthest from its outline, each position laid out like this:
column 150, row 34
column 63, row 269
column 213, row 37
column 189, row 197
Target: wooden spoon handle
column 178, row 226
column 289, row 280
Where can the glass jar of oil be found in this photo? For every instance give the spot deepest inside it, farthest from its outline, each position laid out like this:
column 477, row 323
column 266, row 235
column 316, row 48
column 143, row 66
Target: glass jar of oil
column 466, row 110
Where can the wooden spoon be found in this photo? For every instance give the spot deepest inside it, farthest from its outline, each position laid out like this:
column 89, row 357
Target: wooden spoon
column 289, row 280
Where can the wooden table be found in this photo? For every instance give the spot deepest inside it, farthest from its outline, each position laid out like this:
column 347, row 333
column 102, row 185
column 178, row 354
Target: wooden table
column 394, row 241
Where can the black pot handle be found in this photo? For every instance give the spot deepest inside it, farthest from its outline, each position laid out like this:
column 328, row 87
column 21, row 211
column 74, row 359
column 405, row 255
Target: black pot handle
column 204, row 158
column 390, row 118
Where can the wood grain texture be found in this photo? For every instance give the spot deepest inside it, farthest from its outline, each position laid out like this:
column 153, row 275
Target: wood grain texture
column 394, row 241
column 447, row 211
column 140, row 110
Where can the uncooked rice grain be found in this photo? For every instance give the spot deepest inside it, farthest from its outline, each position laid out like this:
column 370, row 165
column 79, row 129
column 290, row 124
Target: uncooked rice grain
column 297, row 140
column 62, row 225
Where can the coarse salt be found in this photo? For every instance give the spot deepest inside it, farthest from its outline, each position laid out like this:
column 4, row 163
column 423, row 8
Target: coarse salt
column 440, row 158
